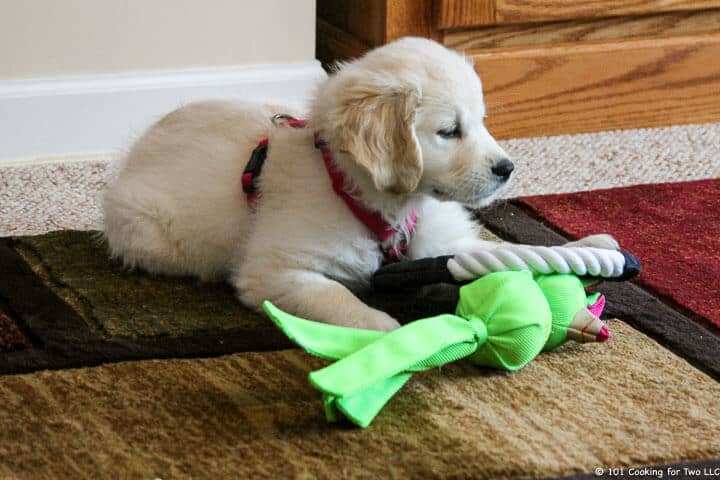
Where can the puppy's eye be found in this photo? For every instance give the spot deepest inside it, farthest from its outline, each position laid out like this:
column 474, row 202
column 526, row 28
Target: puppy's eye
column 450, row 133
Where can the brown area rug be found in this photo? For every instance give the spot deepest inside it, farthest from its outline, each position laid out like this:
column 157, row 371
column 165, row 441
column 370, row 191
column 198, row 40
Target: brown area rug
column 11, row 337
column 646, row 398
column 254, row 415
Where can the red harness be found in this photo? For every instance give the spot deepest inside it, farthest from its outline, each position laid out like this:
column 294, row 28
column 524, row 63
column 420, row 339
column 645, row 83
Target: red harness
column 393, row 240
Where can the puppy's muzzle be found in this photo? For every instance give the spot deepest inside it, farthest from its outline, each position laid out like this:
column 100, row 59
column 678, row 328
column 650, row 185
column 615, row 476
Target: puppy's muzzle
column 502, row 169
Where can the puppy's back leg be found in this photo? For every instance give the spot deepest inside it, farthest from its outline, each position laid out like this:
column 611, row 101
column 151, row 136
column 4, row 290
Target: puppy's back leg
column 142, row 239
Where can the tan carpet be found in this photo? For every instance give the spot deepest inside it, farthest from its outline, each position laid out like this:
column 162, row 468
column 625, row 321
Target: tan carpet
column 253, row 415
column 41, row 198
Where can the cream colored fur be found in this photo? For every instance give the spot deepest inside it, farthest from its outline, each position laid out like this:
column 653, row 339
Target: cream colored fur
column 177, row 206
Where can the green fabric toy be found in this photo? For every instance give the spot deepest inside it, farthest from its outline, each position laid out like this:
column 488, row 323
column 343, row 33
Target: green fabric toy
column 502, row 320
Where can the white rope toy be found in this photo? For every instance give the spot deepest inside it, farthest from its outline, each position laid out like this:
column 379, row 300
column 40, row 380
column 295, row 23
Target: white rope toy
column 580, row 261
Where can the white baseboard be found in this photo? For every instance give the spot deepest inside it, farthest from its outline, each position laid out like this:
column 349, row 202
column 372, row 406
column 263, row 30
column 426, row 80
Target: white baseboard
column 42, row 119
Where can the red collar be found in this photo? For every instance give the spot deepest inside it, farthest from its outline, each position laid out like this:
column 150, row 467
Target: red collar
column 393, row 240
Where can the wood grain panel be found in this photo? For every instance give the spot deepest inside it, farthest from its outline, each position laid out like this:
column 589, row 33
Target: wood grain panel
column 464, row 13
column 363, row 19
column 334, row 44
column 333, row 13
column 664, row 24
column 367, row 20
column 519, row 11
column 377, row 22
column 410, row 18
column 592, row 87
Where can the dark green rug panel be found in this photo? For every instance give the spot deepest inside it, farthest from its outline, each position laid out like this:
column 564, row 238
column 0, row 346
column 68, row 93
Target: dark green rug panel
column 82, row 308
column 117, row 303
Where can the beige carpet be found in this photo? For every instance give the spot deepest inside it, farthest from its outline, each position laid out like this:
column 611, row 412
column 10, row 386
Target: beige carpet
column 41, row 198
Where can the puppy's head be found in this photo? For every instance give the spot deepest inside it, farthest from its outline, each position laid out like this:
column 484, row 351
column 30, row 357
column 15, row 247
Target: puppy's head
column 409, row 115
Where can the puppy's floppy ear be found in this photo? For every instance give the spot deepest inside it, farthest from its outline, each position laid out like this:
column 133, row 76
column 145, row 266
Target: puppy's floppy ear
column 375, row 127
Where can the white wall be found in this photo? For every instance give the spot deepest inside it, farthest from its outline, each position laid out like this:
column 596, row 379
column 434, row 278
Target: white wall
column 41, row 38
column 84, row 77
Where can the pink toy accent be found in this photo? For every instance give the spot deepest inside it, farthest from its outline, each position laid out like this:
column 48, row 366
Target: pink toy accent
column 603, row 335
column 597, row 307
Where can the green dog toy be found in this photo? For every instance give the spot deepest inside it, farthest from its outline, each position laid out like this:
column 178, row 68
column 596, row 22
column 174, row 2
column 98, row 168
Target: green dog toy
column 502, row 320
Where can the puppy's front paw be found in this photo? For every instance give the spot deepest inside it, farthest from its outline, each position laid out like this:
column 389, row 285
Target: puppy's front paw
column 601, row 240
column 378, row 321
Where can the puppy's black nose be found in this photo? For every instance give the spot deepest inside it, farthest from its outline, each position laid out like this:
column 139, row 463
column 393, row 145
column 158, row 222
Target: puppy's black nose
column 503, row 168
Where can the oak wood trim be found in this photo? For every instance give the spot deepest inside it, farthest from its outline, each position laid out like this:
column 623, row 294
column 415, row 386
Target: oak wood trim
column 582, row 31
column 573, row 88
column 521, row 11
column 463, row 13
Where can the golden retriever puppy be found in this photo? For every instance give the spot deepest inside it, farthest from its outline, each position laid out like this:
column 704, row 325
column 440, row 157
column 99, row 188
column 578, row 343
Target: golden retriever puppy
column 394, row 148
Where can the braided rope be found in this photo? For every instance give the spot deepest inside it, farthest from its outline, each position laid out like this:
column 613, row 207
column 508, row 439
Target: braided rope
column 581, row 261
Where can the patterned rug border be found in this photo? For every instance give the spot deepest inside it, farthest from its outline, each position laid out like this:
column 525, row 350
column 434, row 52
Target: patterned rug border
column 61, row 338
column 513, row 221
